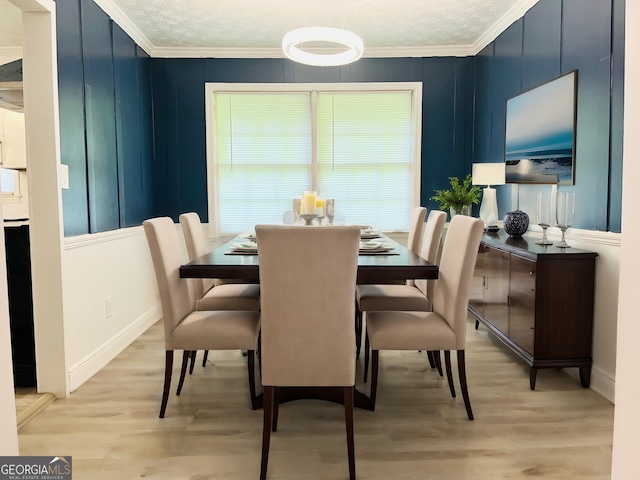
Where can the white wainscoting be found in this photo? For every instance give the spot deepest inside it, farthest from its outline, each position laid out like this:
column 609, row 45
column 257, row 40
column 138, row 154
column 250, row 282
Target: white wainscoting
column 113, row 265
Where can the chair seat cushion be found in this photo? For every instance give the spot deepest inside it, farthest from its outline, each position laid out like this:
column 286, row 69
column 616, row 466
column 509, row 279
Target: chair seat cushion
column 231, row 296
column 391, row 297
column 409, row 331
column 217, row 330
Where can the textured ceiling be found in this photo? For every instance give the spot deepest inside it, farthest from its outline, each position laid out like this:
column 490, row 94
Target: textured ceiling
column 257, row 26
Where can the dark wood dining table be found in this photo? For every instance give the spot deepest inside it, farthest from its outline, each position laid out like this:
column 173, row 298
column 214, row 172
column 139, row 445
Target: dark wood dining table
column 378, row 268
column 396, row 267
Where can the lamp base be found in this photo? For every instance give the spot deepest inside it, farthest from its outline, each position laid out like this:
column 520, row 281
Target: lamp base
column 491, row 228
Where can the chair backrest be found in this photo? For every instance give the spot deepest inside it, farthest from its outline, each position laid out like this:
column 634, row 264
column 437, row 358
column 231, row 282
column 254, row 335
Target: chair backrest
column 415, row 229
column 429, row 249
column 196, row 243
column 457, row 263
column 307, row 288
column 175, row 292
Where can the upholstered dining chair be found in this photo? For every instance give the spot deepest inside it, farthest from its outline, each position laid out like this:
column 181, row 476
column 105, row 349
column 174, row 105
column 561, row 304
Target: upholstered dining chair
column 185, row 328
column 307, row 280
column 211, row 294
column 417, row 295
column 414, row 242
column 445, row 327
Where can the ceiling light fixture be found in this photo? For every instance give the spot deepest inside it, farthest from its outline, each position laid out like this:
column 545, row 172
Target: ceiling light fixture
column 292, row 40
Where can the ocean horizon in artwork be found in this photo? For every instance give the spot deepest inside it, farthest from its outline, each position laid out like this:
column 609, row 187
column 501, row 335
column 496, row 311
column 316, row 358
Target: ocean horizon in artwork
column 539, row 140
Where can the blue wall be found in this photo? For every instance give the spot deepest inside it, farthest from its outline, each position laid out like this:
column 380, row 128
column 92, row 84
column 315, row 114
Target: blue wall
column 127, row 163
column 179, row 116
column 106, row 133
column 552, row 39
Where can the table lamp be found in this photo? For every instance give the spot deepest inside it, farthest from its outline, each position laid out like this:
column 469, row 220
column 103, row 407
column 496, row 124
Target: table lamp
column 489, row 174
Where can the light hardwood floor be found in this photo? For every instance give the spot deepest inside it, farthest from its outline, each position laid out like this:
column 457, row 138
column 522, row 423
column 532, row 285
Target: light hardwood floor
column 110, row 425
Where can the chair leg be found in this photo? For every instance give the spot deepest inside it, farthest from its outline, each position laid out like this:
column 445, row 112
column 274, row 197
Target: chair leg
column 438, row 361
column 358, row 330
column 348, row 417
column 432, row 362
column 205, row 357
column 251, row 366
column 366, row 356
column 186, row 355
column 266, row 430
column 193, row 361
column 276, row 408
column 374, row 379
column 447, row 363
column 462, row 372
column 168, row 368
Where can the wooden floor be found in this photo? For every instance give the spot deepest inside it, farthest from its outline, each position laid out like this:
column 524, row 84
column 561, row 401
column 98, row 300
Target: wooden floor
column 110, row 425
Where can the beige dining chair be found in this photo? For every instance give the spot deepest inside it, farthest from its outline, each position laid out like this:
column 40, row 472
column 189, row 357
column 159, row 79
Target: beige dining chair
column 186, row 328
column 416, row 295
column 445, row 327
column 307, row 280
column 414, row 242
column 212, row 294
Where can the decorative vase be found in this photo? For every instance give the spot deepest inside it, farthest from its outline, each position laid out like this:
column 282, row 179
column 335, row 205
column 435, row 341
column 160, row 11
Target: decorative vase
column 466, row 210
column 516, row 223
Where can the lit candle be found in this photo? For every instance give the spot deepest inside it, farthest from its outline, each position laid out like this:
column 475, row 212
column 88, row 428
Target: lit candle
column 308, row 204
column 320, row 207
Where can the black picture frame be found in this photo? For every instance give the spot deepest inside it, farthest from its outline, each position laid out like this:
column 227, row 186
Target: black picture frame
column 540, row 133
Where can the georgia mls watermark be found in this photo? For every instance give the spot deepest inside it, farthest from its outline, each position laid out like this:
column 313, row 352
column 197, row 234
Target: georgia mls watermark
column 35, row 468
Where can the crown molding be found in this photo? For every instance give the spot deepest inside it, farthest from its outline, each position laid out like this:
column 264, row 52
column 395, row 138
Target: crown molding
column 118, row 16
column 374, row 52
column 514, row 13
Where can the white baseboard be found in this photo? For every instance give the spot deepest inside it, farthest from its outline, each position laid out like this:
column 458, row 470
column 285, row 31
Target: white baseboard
column 601, row 382
column 92, row 363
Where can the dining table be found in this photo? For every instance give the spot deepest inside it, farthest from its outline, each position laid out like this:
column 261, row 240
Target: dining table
column 396, row 264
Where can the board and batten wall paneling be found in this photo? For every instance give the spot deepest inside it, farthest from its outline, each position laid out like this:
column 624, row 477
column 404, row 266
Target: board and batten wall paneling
column 617, row 115
column 109, row 180
column 552, row 39
column 125, row 69
column 102, row 167
column 541, row 44
column 446, row 120
column 588, row 50
column 145, row 106
column 71, row 106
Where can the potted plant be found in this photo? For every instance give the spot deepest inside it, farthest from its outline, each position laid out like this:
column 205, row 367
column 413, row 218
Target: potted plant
column 459, row 197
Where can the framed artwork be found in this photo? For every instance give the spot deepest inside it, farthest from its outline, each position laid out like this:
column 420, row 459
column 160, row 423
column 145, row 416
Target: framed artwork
column 540, row 134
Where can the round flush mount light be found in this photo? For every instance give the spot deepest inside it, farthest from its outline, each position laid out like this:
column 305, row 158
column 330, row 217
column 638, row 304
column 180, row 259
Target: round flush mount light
column 344, row 38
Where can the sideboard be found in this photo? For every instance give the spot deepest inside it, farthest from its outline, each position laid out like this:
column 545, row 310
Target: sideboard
column 538, row 300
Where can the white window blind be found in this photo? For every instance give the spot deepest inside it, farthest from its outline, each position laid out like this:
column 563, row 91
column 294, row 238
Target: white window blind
column 365, row 156
column 262, row 156
column 356, row 146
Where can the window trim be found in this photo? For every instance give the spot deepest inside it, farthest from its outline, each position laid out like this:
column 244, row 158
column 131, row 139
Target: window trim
column 212, row 87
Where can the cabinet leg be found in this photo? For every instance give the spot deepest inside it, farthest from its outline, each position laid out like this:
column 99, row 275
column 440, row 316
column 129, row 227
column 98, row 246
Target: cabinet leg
column 533, row 372
column 585, row 376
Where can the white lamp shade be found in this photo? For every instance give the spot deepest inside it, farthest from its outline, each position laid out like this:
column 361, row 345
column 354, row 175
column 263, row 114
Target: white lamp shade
column 488, row 173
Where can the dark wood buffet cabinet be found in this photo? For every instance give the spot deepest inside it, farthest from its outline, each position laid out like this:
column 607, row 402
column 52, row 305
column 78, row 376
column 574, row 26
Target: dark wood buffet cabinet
column 538, row 300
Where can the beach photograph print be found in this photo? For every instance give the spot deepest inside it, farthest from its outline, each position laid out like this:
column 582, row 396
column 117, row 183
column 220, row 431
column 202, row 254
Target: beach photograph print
column 540, row 134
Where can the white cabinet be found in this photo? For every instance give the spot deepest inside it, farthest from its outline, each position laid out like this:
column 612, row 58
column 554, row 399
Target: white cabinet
column 12, row 140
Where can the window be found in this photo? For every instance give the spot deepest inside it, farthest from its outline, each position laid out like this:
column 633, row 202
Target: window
column 9, row 182
column 356, row 143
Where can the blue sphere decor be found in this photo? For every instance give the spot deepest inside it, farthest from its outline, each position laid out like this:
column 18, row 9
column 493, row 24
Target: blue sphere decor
column 516, row 223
